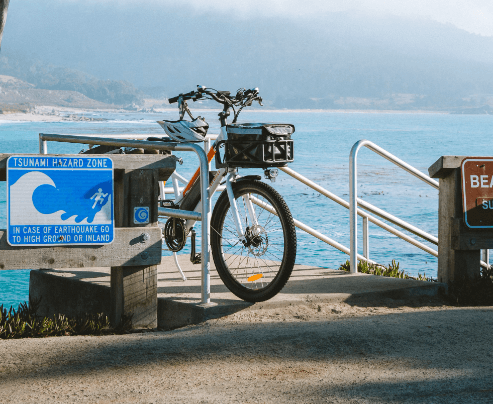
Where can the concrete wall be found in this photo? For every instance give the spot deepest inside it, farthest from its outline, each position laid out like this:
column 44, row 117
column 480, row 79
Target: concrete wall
column 68, row 294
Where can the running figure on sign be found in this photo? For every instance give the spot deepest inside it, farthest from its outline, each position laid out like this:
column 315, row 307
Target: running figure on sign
column 98, row 197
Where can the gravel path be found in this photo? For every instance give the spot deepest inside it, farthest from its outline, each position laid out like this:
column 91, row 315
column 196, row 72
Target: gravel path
column 314, row 353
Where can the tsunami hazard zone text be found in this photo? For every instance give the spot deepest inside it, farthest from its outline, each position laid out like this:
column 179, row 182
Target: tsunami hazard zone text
column 59, row 200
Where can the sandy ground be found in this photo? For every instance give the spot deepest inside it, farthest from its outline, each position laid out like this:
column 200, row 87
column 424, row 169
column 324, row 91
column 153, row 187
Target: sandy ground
column 366, row 352
column 50, row 114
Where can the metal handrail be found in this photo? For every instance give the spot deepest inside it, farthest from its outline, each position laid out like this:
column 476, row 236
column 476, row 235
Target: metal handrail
column 308, row 229
column 354, row 200
column 399, row 222
column 204, row 184
column 366, row 218
column 135, row 135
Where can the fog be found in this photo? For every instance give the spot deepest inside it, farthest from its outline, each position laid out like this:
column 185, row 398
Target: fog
column 287, row 48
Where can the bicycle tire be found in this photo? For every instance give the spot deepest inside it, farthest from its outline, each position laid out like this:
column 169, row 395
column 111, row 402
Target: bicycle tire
column 255, row 272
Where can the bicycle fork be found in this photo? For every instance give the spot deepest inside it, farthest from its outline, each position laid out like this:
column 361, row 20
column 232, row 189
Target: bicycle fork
column 250, row 211
column 234, row 207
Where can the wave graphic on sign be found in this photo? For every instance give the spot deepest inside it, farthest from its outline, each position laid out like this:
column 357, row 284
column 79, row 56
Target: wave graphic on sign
column 35, row 198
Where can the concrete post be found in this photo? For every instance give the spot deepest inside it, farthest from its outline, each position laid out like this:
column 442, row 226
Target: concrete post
column 458, row 246
column 134, row 288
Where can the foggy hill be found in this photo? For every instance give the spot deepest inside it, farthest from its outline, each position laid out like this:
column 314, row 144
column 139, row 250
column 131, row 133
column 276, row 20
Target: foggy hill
column 338, row 60
column 19, row 96
column 48, row 77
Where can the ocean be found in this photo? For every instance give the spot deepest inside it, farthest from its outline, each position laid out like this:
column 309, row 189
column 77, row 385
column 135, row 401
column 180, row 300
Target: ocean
column 323, row 141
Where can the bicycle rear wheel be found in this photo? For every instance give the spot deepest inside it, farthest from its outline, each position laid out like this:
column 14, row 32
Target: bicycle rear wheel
column 258, row 267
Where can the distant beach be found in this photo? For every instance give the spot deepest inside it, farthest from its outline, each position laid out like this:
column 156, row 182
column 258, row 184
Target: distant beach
column 61, row 114
column 50, row 114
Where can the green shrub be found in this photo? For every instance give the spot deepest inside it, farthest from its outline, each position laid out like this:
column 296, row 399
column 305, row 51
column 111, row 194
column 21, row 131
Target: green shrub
column 392, row 270
column 23, row 323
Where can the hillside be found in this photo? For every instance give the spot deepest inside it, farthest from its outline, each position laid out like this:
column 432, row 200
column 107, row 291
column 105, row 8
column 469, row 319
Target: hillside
column 55, row 85
column 19, row 96
column 337, row 60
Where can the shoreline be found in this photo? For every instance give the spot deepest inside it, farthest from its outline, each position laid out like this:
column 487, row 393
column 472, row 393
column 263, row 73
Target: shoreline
column 63, row 114
column 54, row 114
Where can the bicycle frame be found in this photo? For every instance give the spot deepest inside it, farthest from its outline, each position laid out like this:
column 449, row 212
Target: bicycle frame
column 253, row 266
column 231, row 175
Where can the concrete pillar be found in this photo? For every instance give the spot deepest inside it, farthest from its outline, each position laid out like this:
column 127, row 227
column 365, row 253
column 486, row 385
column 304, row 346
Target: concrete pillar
column 134, row 294
column 134, row 288
column 458, row 246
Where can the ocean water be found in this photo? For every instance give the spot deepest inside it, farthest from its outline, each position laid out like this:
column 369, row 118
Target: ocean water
column 323, row 141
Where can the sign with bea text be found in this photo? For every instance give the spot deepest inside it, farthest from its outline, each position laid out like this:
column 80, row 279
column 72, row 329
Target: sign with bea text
column 59, row 200
column 477, row 191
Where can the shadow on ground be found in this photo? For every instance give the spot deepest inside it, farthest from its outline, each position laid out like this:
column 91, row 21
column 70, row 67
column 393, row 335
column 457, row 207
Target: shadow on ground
column 426, row 356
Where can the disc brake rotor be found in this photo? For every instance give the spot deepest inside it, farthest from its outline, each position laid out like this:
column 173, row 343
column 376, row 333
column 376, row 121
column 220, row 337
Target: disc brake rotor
column 257, row 240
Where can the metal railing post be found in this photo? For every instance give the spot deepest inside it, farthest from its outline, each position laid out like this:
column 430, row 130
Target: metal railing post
column 205, row 225
column 43, row 146
column 366, row 238
column 485, row 256
column 353, row 197
column 353, row 209
column 204, row 185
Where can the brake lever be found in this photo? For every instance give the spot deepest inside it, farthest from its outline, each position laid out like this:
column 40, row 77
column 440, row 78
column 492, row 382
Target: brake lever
column 253, row 98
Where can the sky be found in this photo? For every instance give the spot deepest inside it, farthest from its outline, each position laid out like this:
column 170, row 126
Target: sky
column 365, row 45
column 475, row 16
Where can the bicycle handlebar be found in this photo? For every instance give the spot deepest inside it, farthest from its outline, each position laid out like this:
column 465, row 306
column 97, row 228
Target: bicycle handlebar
column 222, row 97
column 243, row 98
column 187, row 96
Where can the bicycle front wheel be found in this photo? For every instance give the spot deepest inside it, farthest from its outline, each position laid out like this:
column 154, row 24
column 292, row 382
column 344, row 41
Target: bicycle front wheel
column 254, row 267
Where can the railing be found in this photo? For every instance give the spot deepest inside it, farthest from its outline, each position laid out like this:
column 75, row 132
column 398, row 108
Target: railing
column 366, row 219
column 352, row 205
column 204, row 183
column 366, row 216
column 354, row 201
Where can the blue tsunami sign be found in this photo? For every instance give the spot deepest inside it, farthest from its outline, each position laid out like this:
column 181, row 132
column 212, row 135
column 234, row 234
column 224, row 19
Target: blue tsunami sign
column 60, row 200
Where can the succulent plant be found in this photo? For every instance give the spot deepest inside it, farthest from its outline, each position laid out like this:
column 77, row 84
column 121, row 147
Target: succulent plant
column 392, row 270
column 24, row 323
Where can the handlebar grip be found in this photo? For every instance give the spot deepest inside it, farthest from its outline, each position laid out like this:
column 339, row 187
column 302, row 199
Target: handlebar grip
column 186, row 96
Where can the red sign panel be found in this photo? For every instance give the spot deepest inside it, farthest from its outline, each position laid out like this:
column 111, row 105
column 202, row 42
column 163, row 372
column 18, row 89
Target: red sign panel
column 477, row 191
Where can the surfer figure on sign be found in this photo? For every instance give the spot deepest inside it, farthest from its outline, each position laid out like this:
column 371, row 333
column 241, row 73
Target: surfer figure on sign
column 98, row 197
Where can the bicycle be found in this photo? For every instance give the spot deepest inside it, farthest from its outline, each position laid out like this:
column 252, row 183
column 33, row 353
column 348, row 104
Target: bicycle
column 253, row 237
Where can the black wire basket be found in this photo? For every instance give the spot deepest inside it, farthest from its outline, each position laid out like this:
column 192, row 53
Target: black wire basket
column 256, row 145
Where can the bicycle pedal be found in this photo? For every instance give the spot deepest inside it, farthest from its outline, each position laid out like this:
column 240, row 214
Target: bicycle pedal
column 195, row 258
